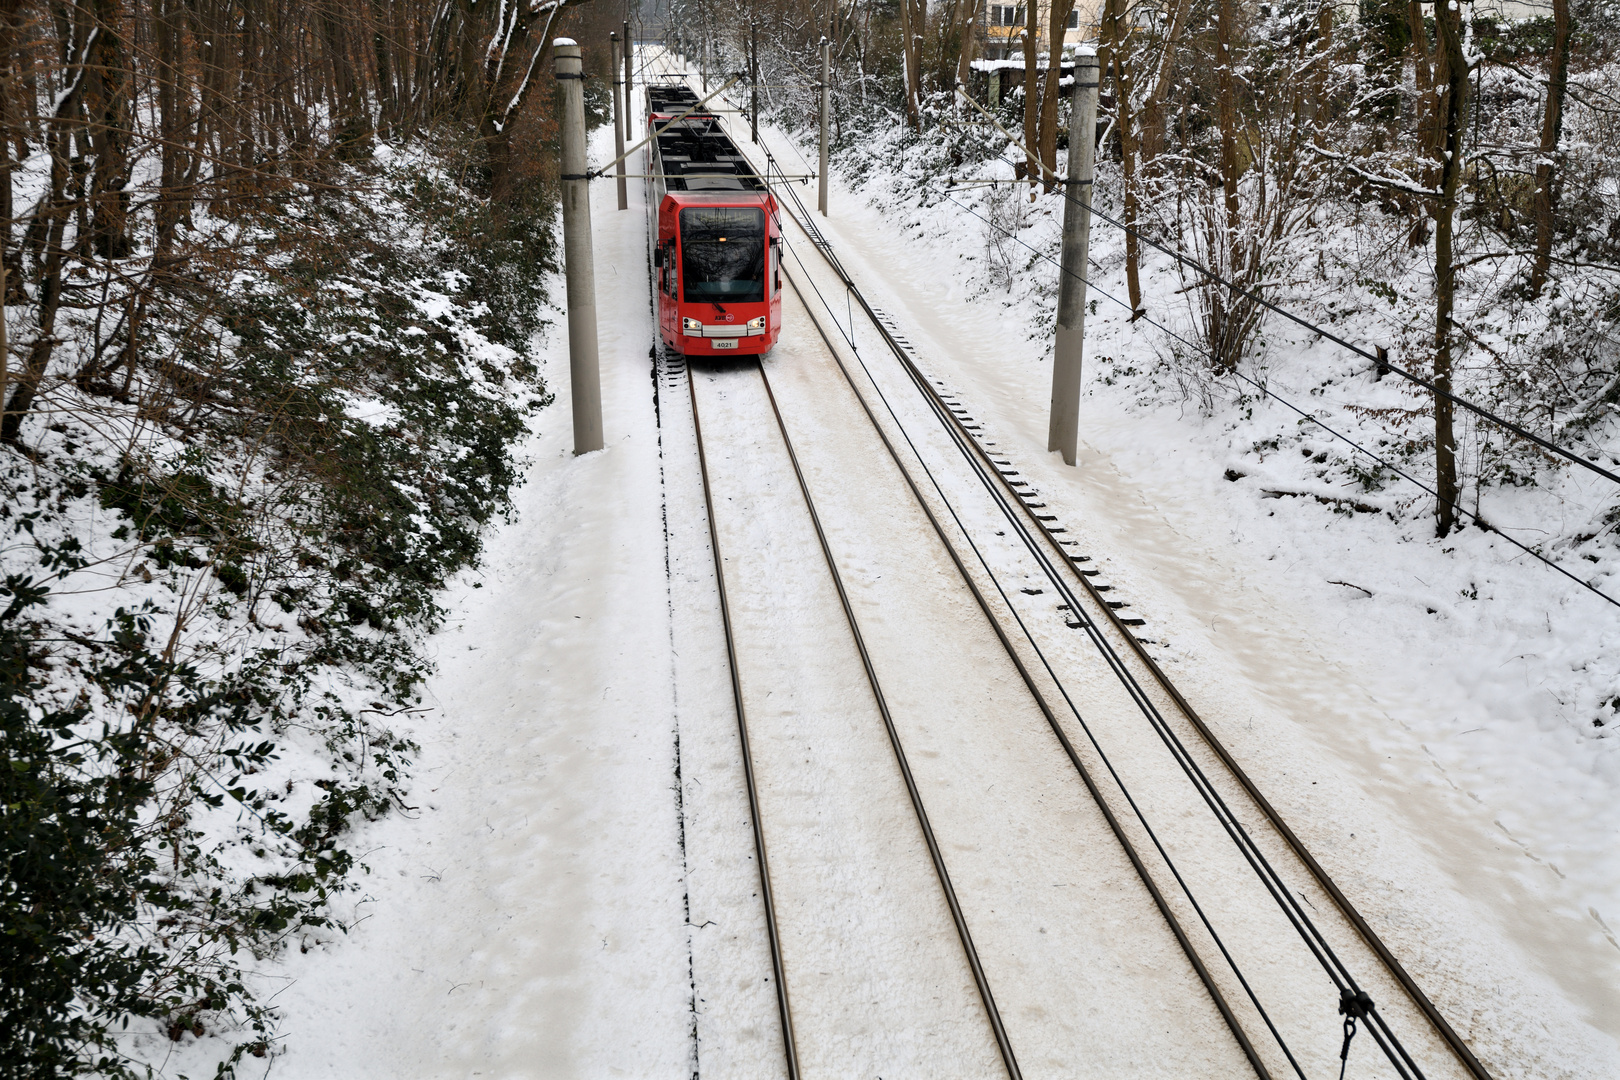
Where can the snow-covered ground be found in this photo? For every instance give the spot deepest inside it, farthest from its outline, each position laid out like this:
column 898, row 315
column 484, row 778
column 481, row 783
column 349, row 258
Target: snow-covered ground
column 528, row 918
column 1432, row 714
column 546, row 912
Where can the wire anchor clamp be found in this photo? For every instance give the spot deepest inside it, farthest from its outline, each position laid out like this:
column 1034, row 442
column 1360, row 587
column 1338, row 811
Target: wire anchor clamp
column 1353, row 1005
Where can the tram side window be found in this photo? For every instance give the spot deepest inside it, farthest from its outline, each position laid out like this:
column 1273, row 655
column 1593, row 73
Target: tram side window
column 723, row 254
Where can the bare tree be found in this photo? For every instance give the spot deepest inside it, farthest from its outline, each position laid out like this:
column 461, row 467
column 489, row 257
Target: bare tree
column 1552, row 126
column 1056, row 29
column 1115, row 61
column 913, row 21
column 1453, row 113
column 1032, row 34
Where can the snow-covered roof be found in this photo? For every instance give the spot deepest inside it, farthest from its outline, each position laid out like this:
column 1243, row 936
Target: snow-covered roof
column 1017, row 64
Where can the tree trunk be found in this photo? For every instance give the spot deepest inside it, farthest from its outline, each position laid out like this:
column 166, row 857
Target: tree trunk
column 1321, row 64
column 909, row 32
column 1423, row 74
column 349, row 106
column 12, row 136
column 505, row 79
column 1224, row 238
column 1227, row 107
column 1118, row 53
column 1032, row 89
column 28, row 380
column 1152, row 142
column 1454, row 115
column 1057, row 28
column 964, row 58
column 382, row 54
column 1552, row 127
column 950, row 42
column 1433, row 76
column 52, row 213
column 107, row 88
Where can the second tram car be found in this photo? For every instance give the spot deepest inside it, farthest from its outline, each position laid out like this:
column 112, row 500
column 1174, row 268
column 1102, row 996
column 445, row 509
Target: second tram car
column 719, row 237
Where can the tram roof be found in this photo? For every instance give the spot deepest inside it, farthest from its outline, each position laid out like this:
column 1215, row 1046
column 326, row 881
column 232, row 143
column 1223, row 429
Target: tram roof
column 695, row 154
column 716, row 197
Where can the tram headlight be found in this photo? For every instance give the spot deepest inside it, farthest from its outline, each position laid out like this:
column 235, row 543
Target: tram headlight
column 757, row 324
column 690, row 324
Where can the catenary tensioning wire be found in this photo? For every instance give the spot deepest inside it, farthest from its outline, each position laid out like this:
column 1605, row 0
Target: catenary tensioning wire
column 1267, row 392
column 1040, row 700
column 767, row 897
column 1328, row 335
column 1267, row 874
column 1003, row 1043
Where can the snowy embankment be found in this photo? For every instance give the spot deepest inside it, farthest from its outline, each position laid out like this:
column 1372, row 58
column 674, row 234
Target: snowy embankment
column 532, row 919
column 227, row 536
column 1468, row 687
column 527, row 918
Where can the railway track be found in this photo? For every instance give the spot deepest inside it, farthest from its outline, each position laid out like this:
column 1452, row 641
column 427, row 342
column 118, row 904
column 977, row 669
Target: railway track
column 878, row 699
column 1274, row 959
column 813, row 606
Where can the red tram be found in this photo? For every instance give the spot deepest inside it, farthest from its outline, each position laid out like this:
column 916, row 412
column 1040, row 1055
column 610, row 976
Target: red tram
column 719, row 239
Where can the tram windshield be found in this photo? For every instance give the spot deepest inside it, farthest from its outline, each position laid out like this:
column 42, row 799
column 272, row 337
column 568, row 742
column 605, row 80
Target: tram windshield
column 723, row 254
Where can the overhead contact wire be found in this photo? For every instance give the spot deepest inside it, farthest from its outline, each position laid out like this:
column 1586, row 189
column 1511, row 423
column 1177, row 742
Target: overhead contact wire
column 1118, row 780
column 1267, row 392
column 1337, row 971
column 1396, row 1053
column 1311, row 937
column 1003, row 1043
column 767, row 893
column 1219, row 999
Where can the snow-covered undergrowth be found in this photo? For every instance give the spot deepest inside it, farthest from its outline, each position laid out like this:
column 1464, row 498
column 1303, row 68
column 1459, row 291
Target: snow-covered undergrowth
column 1347, row 266
column 221, row 560
column 1501, row 673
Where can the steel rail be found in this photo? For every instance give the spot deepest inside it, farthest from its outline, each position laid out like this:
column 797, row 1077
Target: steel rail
column 1338, row 973
column 1027, row 677
column 1369, row 936
column 993, row 1014
column 958, row 918
column 767, row 894
column 1196, row 961
column 1337, row 970
column 985, row 465
column 1271, row 881
column 1229, row 823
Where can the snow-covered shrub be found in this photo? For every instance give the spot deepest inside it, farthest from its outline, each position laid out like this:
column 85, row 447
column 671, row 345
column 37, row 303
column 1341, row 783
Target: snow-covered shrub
column 222, row 555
